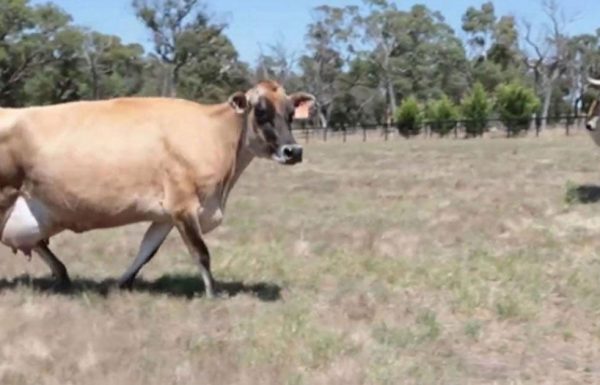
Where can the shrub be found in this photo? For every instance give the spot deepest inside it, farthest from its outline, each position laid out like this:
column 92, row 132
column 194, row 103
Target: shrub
column 516, row 105
column 476, row 109
column 442, row 115
column 409, row 117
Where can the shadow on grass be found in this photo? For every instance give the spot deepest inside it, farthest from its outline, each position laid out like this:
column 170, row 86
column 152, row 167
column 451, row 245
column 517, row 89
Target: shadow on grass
column 585, row 194
column 184, row 286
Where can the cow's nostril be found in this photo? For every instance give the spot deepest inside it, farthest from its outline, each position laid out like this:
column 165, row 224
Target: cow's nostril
column 589, row 127
column 288, row 152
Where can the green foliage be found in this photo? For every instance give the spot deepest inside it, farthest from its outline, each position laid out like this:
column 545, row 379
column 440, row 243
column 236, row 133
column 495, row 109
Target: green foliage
column 442, row 115
column 476, row 109
column 409, row 117
column 28, row 39
column 46, row 60
column 516, row 105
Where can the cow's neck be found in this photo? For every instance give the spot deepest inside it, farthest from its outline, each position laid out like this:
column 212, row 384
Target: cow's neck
column 243, row 158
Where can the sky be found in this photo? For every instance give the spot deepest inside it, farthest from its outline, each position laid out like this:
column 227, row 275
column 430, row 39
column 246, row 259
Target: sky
column 254, row 24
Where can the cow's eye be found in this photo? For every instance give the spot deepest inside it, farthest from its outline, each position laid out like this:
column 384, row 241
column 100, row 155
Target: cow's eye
column 262, row 116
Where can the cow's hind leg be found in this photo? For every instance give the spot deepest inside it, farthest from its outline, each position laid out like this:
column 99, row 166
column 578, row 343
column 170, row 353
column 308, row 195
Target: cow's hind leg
column 59, row 271
column 153, row 238
column 191, row 232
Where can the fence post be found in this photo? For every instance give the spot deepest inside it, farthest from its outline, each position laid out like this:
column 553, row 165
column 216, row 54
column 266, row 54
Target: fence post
column 364, row 133
column 306, row 133
column 568, row 125
column 385, row 131
column 344, row 133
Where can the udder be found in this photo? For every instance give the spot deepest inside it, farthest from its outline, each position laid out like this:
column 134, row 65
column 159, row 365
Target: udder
column 27, row 224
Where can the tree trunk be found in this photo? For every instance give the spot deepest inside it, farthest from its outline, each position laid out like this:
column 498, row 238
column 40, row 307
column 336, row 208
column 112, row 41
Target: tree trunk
column 323, row 120
column 174, row 81
column 391, row 91
column 95, row 83
column 546, row 106
column 548, row 91
column 168, row 87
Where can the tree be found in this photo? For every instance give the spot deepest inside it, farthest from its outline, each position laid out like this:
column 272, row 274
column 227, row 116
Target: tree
column 494, row 45
column 479, row 24
column 516, row 105
column 442, row 114
column 185, row 37
column 413, row 53
column 476, row 109
column 113, row 68
column 381, row 29
column 62, row 79
column 550, row 56
column 409, row 117
column 330, row 45
column 278, row 64
column 360, row 85
column 214, row 72
column 28, row 36
column 445, row 55
column 504, row 49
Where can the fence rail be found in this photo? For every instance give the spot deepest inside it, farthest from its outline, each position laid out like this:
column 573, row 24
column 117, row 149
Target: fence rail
column 369, row 132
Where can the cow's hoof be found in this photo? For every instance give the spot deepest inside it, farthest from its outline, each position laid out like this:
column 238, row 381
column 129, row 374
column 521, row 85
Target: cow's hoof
column 62, row 285
column 215, row 294
column 126, row 285
column 212, row 294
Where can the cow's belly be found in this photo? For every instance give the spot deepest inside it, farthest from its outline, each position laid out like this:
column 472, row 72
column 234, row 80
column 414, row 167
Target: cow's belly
column 28, row 223
column 80, row 211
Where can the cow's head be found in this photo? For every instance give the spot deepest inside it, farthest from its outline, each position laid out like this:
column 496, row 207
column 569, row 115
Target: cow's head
column 269, row 114
column 592, row 123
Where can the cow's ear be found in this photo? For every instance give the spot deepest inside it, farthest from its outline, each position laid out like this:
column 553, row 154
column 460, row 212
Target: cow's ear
column 239, row 102
column 303, row 104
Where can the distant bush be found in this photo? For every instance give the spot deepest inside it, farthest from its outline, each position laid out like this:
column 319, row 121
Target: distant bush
column 476, row 109
column 516, row 105
column 409, row 117
column 443, row 115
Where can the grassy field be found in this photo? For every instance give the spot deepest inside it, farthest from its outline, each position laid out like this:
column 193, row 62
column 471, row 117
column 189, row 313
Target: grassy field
column 406, row 262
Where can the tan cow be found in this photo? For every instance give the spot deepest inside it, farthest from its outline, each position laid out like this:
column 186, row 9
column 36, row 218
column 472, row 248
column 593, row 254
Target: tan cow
column 91, row 165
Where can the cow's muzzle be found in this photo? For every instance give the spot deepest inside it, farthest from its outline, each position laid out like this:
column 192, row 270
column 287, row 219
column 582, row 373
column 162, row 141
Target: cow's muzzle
column 288, row 154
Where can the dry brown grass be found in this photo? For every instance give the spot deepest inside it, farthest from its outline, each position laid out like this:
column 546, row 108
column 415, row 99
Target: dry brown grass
column 406, row 262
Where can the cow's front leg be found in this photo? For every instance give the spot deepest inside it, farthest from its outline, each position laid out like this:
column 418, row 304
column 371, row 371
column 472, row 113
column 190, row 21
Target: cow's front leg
column 191, row 233
column 59, row 271
column 154, row 237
